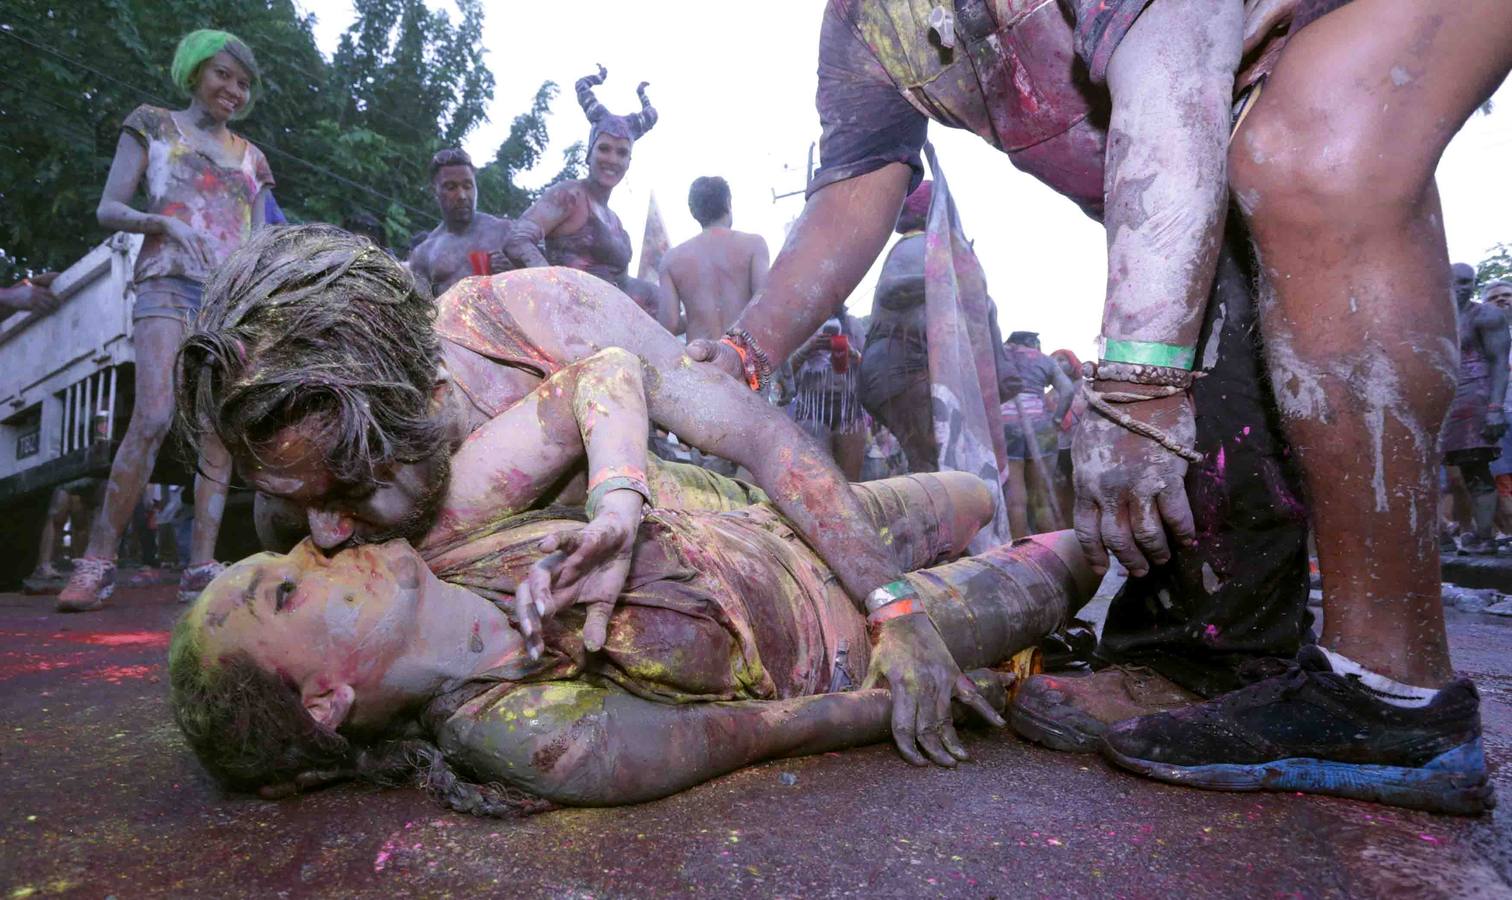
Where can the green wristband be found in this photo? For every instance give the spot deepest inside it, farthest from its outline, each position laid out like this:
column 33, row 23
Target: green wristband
column 1149, row 353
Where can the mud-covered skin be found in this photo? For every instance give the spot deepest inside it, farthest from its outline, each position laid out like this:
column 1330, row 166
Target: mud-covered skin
column 576, row 227
column 1355, row 319
column 711, row 277
column 443, row 258
column 222, row 89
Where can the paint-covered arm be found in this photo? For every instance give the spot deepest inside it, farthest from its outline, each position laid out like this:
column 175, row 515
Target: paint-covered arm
column 593, row 408
column 543, row 217
column 720, row 415
column 1171, row 82
column 761, row 264
column 1065, row 392
column 843, row 227
column 115, row 211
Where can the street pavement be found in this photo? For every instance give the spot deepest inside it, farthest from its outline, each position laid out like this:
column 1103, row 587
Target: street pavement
column 101, row 798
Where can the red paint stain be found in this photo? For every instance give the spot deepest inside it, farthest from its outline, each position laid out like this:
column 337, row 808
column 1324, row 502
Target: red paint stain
column 118, row 674
column 115, row 638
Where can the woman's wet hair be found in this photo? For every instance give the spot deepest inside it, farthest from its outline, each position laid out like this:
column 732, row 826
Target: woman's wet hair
column 197, row 47
column 709, row 198
column 250, row 730
column 310, row 325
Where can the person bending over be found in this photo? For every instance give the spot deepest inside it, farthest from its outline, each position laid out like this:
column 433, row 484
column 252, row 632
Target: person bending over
column 730, row 642
column 467, row 242
column 708, row 279
column 341, row 390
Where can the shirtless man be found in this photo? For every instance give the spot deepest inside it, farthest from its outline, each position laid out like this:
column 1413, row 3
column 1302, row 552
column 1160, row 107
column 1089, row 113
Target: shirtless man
column 444, row 258
column 342, row 390
column 1476, row 423
column 714, row 274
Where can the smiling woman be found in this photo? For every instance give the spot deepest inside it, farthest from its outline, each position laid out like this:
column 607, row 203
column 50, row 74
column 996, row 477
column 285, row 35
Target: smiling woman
column 573, row 221
column 206, row 190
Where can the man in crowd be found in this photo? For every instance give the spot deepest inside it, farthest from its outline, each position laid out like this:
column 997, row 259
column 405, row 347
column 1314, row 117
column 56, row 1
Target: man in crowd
column 1403, row 728
column 1029, row 433
column 467, row 242
column 708, row 279
column 1477, row 420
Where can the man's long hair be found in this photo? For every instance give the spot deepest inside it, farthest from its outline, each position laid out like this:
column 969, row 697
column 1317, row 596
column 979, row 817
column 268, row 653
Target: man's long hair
column 310, row 324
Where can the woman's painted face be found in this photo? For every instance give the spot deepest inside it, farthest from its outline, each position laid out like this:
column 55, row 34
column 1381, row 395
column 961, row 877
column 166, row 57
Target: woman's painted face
column 314, row 620
column 402, row 504
column 609, row 160
column 224, row 86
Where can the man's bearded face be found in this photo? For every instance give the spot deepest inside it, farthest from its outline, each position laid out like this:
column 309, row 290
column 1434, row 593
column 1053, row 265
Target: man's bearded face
column 456, row 190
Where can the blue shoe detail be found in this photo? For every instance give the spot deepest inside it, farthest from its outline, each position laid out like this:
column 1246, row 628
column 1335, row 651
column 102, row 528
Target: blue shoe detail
column 1452, row 782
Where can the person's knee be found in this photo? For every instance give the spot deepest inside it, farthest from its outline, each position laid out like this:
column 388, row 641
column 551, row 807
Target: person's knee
column 1478, row 480
column 1296, row 170
column 151, row 420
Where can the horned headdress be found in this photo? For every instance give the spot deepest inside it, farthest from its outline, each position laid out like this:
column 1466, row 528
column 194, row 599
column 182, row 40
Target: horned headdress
column 603, row 121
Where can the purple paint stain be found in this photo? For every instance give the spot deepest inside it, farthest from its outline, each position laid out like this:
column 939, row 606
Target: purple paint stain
column 1210, row 632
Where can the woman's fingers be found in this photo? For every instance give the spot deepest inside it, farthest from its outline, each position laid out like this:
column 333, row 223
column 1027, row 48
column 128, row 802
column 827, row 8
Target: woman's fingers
column 904, row 727
column 966, row 691
column 596, row 625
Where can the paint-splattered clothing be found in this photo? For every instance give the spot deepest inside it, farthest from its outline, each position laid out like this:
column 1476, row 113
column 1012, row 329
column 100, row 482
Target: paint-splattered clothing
column 471, row 315
column 883, row 76
column 1463, row 439
column 717, row 606
column 183, row 182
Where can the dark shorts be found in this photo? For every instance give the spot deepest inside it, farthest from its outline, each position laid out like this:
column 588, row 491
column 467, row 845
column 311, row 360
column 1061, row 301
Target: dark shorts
column 169, row 297
column 1016, row 440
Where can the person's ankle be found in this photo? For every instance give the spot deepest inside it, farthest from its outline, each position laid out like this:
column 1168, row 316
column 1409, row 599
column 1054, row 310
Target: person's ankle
column 1410, row 687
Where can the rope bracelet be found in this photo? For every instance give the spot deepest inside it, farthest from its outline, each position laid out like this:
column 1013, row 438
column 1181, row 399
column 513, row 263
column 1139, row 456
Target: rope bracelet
column 753, row 359
column 1103, row 403
column 615, row 483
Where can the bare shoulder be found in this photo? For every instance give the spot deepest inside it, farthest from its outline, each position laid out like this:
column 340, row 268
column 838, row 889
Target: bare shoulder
column 1488, row 316
column 752, row 242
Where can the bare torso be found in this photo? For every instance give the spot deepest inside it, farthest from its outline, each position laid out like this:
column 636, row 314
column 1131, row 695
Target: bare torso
column 442, row 259
column 715, row 275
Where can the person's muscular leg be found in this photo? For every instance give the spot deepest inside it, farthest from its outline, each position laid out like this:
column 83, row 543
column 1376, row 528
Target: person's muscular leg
column 210, row 486
column 1359, row 329
column 849, row 448
column 1016, row 496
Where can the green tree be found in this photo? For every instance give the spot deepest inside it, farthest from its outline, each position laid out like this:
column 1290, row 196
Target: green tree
column 520, row 152
column 346, row 135
column 1497, row 264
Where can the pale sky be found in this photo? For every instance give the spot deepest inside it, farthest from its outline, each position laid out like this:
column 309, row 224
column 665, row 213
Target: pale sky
column 734, row 85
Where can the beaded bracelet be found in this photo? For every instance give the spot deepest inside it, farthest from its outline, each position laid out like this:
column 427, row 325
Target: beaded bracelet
column 753, row 359
column 1140, row 373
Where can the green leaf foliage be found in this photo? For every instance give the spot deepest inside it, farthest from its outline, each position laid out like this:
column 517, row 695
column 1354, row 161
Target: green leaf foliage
column 1497, row 264
column 344, row 136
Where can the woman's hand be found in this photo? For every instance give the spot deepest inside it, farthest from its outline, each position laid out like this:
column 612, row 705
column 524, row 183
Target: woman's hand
column 1130, row 489
column 911, row 659
column 588, row 566
column 192, row 241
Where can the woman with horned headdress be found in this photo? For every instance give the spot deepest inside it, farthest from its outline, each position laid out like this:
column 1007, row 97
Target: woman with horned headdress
column 572, row 220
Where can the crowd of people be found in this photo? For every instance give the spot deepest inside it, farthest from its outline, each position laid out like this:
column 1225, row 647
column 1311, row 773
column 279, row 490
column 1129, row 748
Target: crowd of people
column 466, row 525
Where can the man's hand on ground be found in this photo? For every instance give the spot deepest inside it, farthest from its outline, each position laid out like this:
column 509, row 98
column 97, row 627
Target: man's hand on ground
column 1130, row 489
column 588, row 566
column 911, row 659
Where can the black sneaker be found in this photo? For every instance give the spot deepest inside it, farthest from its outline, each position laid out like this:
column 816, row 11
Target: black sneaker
column 1319, row 732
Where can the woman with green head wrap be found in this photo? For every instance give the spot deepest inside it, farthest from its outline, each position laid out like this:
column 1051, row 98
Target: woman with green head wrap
column 206, row 188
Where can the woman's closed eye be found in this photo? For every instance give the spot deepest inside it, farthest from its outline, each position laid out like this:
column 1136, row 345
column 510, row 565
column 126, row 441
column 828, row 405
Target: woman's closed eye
column 281, row 595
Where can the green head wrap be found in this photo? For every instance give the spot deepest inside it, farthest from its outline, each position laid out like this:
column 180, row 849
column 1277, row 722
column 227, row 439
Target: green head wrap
column 198, row 46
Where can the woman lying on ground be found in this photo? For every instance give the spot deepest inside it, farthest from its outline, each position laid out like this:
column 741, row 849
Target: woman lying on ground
column 729, row 643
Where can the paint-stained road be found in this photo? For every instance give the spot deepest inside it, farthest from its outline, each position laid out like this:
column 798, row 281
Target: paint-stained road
column 101, row 798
